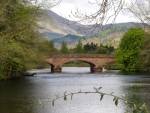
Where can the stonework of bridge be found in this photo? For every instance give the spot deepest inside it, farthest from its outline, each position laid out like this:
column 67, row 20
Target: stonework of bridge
column 96, row 61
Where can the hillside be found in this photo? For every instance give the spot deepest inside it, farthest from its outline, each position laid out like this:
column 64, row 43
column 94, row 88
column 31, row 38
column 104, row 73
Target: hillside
column 52, row 36
column 71, row 40
column 55, row 27
column 110, row 36
column 53, row 23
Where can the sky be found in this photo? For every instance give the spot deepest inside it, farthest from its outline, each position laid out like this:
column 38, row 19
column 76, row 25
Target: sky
column 66, row 6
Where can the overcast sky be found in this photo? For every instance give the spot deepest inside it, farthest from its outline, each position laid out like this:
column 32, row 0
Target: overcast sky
column 66, row 6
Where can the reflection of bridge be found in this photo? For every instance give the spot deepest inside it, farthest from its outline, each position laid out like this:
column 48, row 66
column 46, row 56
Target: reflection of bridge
column 96, row 61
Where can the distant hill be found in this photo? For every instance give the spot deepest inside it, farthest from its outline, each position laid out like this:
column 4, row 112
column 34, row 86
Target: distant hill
column 55, row 28
column 108, row 36
column 92, row 30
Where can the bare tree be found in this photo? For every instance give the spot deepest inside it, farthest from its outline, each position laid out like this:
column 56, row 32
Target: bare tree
column 141, row 10
column 107, row 11
column 47, row 3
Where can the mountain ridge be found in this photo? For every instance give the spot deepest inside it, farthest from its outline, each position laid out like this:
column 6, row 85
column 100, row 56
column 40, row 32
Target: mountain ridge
column 56, row 28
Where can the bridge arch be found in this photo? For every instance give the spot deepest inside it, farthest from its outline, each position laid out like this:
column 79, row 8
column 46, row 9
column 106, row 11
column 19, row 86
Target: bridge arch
column 91, row 64
column 55, row 68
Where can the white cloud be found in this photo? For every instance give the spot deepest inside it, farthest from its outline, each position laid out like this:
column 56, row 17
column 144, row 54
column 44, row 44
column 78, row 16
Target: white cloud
column 125, row 17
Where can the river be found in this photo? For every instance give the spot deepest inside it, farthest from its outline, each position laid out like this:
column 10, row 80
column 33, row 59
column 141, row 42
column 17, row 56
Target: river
column 23, row 95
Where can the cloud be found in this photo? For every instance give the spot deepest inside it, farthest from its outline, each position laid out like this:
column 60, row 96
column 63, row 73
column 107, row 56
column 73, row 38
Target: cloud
column 125, row 16
column 66, row 6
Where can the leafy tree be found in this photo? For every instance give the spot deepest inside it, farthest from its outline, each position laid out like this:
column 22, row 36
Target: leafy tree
column 64, row 48
column 131, row 44
column 94, row 49
column 102, row 50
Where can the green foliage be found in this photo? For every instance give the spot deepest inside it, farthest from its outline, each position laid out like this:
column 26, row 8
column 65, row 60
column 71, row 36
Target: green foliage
column 79, row 49
column 94, row 49
column 102, row 50
column 43, row 50
column 51, row 46
column 18, row 37
column 87, row 48
column 127, row 54
column 144, row 54
column 90, row 48
column 64, row 48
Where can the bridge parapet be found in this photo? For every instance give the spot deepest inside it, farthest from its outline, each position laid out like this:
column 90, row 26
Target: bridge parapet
column 82, row 56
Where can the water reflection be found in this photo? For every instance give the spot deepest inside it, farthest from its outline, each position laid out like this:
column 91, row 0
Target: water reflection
column 139, row 92
column 19, row 96
column 15, row 97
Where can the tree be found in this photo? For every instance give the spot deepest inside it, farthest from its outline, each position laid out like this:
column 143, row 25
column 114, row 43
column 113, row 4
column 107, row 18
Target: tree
column 90, row 48
column 141, row 10
column 144, row 54
column 64, row 48
column 107, row 12
column 79, row 48
column 130, row 46
column 19, row 38
column 86, row 47
column 102, row 50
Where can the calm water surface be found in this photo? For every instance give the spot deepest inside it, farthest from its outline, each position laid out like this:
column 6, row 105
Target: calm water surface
column 23, row 95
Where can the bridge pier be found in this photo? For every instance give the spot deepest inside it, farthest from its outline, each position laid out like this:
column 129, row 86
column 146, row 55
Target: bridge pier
column 96, row 69
column 56, row 69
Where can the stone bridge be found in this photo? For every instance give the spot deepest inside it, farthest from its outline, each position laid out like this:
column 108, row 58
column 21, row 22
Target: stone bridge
column 96, row 61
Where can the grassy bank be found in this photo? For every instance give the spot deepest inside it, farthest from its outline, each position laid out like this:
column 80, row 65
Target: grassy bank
column 76, row 64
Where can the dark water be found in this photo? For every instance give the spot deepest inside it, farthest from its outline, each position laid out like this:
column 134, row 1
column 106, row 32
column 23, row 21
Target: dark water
column 23, row 95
